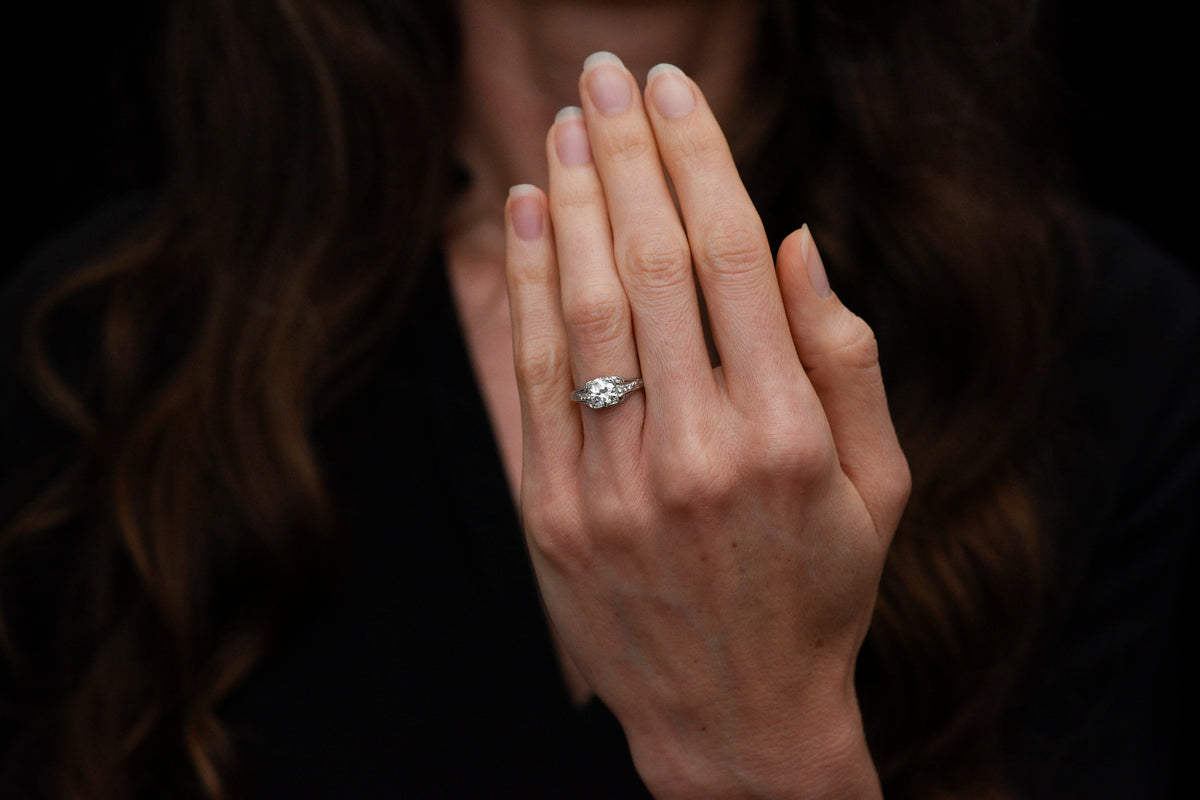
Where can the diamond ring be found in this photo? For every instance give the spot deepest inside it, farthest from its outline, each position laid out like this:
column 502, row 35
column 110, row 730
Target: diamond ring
column 604, row 392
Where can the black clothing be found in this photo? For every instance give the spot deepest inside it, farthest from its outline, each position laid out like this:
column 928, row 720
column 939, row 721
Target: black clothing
column 429, row 671
column 1104, row 701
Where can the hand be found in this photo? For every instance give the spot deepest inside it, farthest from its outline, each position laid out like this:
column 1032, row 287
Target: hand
column 710, row 549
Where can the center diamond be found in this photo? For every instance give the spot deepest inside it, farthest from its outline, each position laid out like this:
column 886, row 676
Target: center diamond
column 603, row 392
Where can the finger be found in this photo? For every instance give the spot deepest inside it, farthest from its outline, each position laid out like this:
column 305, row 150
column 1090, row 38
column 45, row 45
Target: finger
column 728, row 244
column 649, row 244
column 839, row 353
column 595, row 309
column 551, row 432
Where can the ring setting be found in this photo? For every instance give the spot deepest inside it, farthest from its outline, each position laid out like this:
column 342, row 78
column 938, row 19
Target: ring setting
column 606, row 391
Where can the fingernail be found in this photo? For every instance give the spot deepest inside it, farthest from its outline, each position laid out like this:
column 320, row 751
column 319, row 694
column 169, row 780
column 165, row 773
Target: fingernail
column 607, row 83
column 671, row 93
column 570, row 138
column 526, row 212
column 816, row 268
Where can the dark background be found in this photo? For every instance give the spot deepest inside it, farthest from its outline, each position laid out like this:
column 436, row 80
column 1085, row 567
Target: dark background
column 82, row 129
column 82, row 112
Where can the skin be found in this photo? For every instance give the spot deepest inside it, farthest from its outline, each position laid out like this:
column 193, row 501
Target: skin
column 520, row 65
column 709, row 550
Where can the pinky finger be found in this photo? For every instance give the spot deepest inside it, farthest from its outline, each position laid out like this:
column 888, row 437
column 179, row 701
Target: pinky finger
column 551, row 430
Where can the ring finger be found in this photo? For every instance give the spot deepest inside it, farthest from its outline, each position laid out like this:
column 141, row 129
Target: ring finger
column 595, row 307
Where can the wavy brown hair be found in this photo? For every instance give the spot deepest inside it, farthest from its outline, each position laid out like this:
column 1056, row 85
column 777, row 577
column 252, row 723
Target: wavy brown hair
column 309, row 179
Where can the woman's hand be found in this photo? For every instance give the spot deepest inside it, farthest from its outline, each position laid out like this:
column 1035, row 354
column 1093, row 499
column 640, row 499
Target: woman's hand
column 709, row 550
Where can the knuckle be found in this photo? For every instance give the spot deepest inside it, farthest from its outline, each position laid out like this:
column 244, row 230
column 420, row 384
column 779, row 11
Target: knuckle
column 597, row 316
column 573, row 196
column 702, row 151
column 732, row 245
column 887, row 488
column 626, row 144
column 525, row 275
column 604, row 511
column 658, row 260
column 691, row 477
column 900, row 483
column 539, row 361
column 854, row 344
column 694, row 488
column 555, row 534
column 790, row 448
column 613, row 521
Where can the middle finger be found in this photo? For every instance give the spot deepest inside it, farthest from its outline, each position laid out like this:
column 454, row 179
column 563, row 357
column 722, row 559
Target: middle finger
column 649, row 245
column 729, row 246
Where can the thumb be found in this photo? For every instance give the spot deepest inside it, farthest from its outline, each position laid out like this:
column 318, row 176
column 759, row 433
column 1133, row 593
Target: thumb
column 840, row 355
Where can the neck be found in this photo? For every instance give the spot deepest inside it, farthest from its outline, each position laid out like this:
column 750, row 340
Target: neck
column 520, row 64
